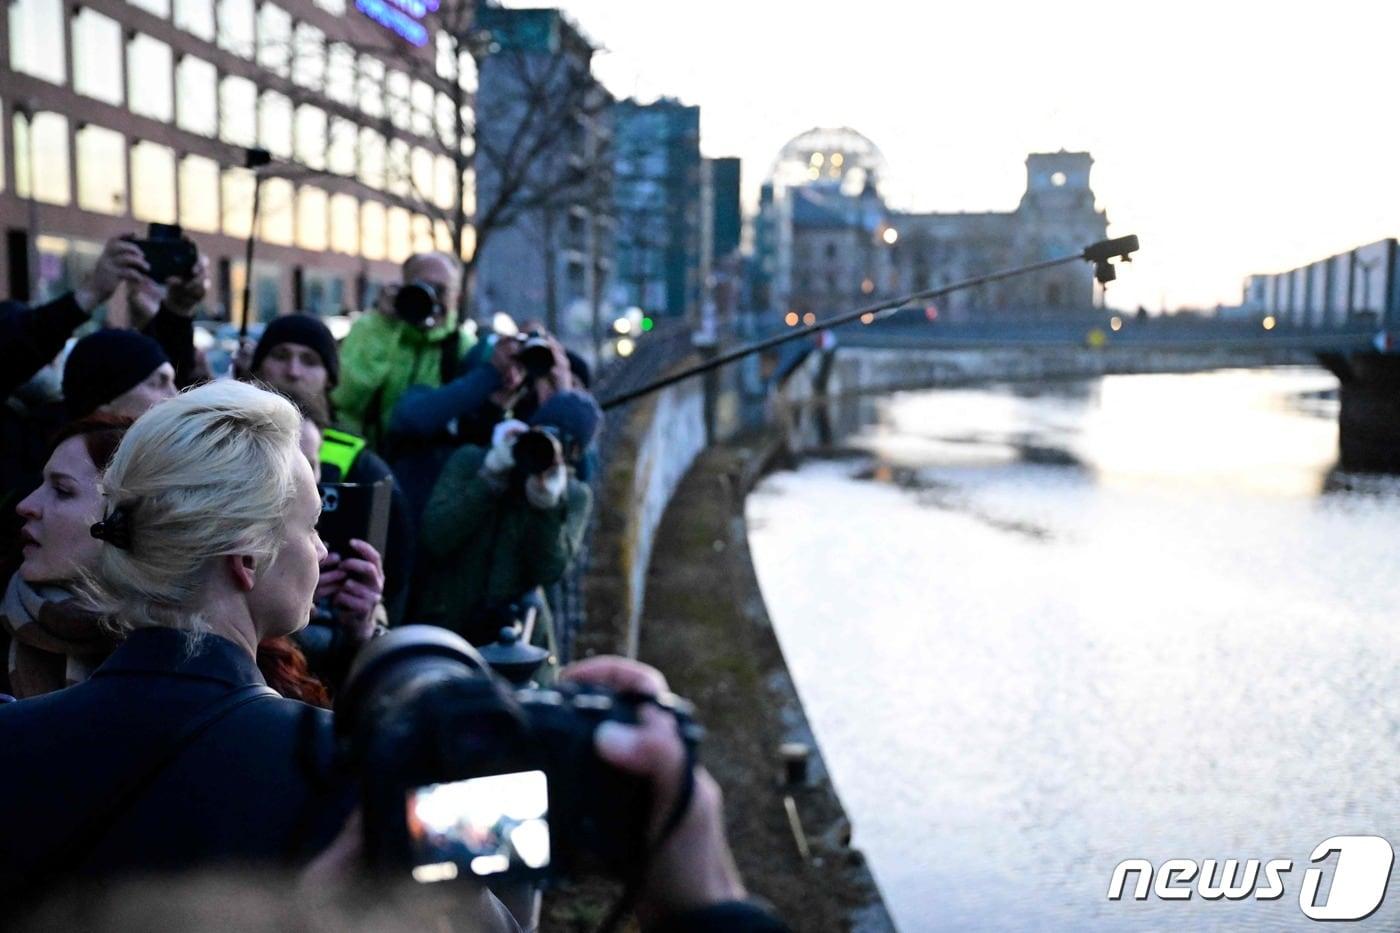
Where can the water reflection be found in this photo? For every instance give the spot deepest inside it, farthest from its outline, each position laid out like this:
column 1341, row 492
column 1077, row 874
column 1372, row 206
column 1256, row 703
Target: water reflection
column 1039, row 632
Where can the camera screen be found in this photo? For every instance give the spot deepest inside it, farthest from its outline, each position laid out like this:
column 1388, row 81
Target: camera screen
column 481, row 826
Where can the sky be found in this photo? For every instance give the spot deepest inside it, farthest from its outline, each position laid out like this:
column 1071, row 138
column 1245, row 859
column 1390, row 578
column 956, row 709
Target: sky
column 1231, row 137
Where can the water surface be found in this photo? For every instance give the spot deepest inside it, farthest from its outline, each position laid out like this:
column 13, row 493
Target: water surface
column 1041, row 630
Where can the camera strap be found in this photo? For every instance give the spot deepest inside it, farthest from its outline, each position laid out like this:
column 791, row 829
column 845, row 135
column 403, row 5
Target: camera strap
column 633, row 888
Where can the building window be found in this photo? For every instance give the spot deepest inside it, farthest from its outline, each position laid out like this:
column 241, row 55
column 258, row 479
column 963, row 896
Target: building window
column 41, row 158
column 372, row 159
column 309, row 65
column 340, row 148
column 423, row 172
column 371, row 85
column 443, row 236
column 275, row 39
column 148, row 71
column 159, row 8
column 197, row 96
column 396, row 170
column 444, row 189
column 236, row 32
column 400, row 234
column 101, row 170
column 36, row 39
column 423, row 103
column 311, row 137
column 311, row 218
column 448, row 126
column 196, row 17
column 345, row 224
column 340, row 74
column 372, row 227
column 275, row 124
column 238, row 103
column 199, row 194
column 446, row 63
column 153, row 183
column 97, row 56
column 397, row 93
column 422, row 234
column 237, row 202
column 276, row 222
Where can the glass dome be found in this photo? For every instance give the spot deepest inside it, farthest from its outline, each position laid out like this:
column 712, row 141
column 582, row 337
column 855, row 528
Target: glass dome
column 840, row 157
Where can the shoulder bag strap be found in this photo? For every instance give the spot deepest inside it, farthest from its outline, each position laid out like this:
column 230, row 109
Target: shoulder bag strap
column 65, row 856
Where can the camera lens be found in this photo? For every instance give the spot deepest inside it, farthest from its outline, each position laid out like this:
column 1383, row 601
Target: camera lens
column 416, row 302
column 536, row 356
column 535, row 452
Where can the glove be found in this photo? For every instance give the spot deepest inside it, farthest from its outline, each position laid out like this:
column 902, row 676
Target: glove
column 501, row 458
column 545, row 490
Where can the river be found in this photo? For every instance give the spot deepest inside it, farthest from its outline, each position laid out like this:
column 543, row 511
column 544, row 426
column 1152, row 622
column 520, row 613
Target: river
column 1042, row 629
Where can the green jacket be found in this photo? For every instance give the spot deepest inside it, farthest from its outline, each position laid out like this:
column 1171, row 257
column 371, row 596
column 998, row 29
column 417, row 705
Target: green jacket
column 380, row 358
column 479, row 546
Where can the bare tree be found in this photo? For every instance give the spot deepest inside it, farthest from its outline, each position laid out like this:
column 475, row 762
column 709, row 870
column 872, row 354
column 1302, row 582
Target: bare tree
column 521, row 151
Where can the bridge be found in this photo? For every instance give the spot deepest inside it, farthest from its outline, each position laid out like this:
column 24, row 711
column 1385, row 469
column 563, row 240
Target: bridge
column 906, row 349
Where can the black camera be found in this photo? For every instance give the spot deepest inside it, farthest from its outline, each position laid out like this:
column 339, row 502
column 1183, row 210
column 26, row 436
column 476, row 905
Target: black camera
column 168, row 253
column 535, row 451
column 418, row 304
column 536, row 354
column 464, row 777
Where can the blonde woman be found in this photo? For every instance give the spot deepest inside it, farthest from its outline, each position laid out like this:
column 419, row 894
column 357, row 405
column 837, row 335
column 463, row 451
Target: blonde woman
column 175, row 753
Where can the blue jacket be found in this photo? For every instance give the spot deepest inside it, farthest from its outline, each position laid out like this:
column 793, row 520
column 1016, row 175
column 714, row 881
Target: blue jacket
column 257, row 787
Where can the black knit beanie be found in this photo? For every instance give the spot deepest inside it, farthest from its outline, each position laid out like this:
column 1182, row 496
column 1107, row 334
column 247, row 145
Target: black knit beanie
column 303, row 329
column 104, row 364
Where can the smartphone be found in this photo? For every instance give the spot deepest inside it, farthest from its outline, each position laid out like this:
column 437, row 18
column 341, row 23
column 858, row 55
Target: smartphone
column 168, row 252
column 480, row 827
column 355, row 510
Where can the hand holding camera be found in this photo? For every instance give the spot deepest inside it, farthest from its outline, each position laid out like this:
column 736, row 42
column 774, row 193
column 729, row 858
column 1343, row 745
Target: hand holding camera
column 121, row 261
column 528, row 461
column 693, row 867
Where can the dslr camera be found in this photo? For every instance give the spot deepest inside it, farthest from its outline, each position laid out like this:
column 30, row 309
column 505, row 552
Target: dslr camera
column 464, row 776
column 536, row 354
column 418, row 303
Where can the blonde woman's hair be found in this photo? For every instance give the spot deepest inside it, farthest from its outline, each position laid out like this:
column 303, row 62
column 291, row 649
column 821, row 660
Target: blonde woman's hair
column 204, row 475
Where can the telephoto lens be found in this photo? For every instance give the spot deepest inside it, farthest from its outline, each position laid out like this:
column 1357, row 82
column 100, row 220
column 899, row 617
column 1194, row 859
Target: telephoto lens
column 416, row 303
column 535, row 355
column 535, row 451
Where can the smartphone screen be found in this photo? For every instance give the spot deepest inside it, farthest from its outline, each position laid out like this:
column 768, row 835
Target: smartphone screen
column 479, row 827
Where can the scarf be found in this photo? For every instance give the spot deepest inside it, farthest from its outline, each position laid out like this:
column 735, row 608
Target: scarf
column 54, row 643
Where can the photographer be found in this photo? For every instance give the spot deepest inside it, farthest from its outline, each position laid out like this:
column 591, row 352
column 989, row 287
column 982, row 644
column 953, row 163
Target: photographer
column 507, row 376
column 416, row 342
column 505, row 520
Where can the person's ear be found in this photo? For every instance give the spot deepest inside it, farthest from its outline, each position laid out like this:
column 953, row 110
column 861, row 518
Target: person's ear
column 243, row 570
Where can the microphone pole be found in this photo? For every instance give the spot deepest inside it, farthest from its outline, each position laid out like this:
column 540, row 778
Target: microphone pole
column 253, row 159
column 1097, row 253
